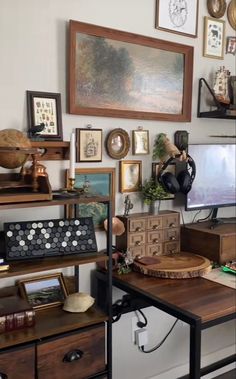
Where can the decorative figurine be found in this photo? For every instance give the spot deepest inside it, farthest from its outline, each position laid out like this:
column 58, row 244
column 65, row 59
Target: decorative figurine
column 128, row 205
column 221, row 85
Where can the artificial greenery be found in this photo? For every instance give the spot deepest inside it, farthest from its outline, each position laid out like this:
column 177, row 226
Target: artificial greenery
column 159, row 148
column 152, row 191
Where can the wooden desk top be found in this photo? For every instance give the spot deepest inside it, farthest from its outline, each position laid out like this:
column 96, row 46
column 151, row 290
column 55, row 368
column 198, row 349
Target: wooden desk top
column 203, row 298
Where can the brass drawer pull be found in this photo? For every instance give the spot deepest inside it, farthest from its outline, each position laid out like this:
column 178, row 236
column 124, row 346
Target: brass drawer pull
column 173, row 238
column 155, row 253
column 155, row 227
column 73, row 355
column 172, row 225
column 137, row 243
column 138, row 229
column 155, row 240
column 3, row 376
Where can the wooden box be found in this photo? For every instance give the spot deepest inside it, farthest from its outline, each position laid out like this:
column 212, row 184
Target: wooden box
column 218, row 244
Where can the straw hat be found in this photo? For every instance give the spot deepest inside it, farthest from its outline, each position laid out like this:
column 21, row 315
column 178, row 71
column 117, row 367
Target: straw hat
column 78, row 302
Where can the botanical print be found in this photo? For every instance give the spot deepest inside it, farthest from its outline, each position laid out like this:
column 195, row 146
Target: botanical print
column 119, row 75
column 45, row 112
column 214, row 37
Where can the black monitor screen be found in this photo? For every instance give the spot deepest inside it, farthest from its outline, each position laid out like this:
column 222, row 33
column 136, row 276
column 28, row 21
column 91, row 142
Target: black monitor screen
column 214, row 184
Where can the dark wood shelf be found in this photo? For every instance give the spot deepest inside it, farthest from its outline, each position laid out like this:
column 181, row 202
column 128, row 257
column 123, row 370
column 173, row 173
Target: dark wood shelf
column 51, row 322
column 50, row 263
column 53, row 150
column 63, row 201
column 216, row 114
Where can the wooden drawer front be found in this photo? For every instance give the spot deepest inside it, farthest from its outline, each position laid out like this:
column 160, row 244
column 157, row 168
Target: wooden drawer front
column 155, row 237
column 171, row 247
column 171, row 234
column 137, row 225
column 52, row 353
column 18, row 364
column 154, row 223
column 228, row 249
column 152, row 250
column 138, row 251
column 136, row 239
column 170, row 221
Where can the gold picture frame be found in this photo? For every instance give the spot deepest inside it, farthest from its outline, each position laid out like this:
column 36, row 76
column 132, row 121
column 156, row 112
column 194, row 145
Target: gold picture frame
column 214, row 37
column 44, row 291
column 130, row 176
column 117, row 143
column 231, row 13
column 216, row 8
column 140, row 142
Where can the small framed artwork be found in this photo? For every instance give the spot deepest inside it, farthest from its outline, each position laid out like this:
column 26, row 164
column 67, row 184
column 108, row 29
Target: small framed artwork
column 117, row 143
column 44, row 291
column 170, row 168
column 140, row 142
column 176, row 16
column 214, row 35
column 216, row 8
column 231, row 45
column 130, row 176
column 44, row 115
column 88, row 145
column 97, row 182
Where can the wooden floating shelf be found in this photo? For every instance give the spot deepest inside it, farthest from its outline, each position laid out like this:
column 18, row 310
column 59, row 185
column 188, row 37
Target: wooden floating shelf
column 54, row 150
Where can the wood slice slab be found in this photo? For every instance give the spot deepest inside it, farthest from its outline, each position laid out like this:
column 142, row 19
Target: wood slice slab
column 175, row 266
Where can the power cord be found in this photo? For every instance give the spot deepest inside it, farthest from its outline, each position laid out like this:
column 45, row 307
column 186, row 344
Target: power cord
column 141, row 324
column 141, row 348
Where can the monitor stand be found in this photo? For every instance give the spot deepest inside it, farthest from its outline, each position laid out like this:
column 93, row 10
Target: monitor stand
column 216, row 221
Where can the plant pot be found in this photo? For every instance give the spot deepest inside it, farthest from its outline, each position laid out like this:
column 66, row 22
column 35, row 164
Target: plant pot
column 155, row 207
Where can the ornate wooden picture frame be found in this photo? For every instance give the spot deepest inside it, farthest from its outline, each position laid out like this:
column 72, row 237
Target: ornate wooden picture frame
column 44, row 291
column 117, row 143
column 130, row 176
column 118, row 74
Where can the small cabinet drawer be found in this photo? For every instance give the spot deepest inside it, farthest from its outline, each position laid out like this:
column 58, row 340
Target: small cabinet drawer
column 153, row 250
column 75, row 356
column 155, row 237
column 136, row 239
column 171, row 234
column 18, row 364
column 171, row 247
column 137, row 225
column 154, row 223
column 138, row 251
column 170, row 221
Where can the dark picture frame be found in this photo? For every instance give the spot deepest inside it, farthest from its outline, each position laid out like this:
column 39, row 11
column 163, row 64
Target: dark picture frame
column 130, row 176
column 44, row 108
column 88, row 145
column 44, row 291
column 113, row 73
column 231, row 45
column 178, row 17
column 97, row 182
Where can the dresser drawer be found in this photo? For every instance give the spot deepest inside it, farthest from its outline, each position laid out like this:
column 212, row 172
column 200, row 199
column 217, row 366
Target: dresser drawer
column 170, row 221
column 152, row 250
column 171, row 234
column 57, row 358
column 138, row 251
column 136, row 239
column 155, row 237
column 137, row 225
column 154, row 223
column 18, row 364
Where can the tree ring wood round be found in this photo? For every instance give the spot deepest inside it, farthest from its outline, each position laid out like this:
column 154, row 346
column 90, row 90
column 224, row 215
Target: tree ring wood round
column 216, row 8
column 181, row 265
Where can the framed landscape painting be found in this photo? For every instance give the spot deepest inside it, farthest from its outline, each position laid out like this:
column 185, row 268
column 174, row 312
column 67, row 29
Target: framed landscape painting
column 119, row 74
column 96, row 182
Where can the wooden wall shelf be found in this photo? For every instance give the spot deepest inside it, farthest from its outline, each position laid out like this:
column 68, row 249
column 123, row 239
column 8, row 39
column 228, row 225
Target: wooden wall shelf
column 54, row 150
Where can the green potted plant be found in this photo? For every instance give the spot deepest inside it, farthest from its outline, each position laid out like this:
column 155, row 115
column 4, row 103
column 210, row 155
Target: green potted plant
column 153, row 192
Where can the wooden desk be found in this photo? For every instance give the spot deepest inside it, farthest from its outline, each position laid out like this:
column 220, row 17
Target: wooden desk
column 198, row 302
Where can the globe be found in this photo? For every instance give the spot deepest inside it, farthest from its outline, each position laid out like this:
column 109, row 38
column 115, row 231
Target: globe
column 13, row 138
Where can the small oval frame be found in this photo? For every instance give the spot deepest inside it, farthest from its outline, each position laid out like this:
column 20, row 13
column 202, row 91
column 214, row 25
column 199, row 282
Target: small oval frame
column 216, row 13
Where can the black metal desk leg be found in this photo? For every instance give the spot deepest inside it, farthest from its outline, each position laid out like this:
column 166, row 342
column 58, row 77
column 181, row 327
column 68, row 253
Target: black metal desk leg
column 195, row 350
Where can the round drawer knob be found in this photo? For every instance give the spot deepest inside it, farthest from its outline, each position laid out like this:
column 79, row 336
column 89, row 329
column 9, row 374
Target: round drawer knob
column 173, row 238
column 138, row 229
column 155, row 240
column 137, row 243
column 155, row 227
column 172, row 225
column 155, row 253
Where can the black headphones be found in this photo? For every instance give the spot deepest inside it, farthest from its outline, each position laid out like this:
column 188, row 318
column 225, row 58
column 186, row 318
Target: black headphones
column 180, row 183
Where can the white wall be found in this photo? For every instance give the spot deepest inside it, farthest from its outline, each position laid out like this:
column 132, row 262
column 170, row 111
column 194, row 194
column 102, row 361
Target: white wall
column 33, row 45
